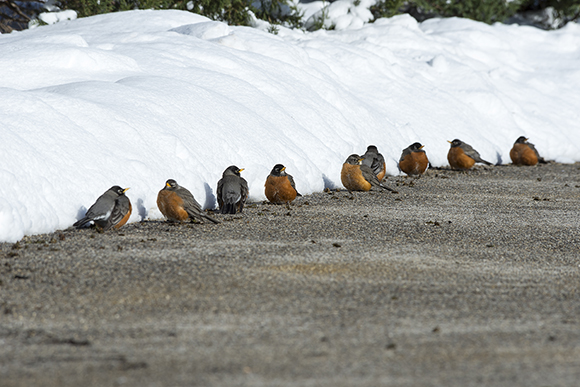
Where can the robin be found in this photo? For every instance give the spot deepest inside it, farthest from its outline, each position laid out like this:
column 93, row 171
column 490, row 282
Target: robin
column 112, row 209
column 177, row 204
column 280, row 187
column 463, row 156
column 376, row 161
column 413, row 160
column 356, row 176
column 525, row 153
column 232, row 191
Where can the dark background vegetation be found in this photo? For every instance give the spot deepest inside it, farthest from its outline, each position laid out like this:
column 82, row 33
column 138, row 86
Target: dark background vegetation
column 16, row 14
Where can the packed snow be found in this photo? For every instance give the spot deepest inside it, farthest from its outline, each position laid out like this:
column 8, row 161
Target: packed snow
column 135, row 98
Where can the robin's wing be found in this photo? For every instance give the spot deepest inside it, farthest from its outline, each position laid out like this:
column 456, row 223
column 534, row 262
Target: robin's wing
column 378, row 164
column 120, row 209
column 369, row 175
column 244, row 189
column 406, row 151
column 375, row 161
column 540, row 159
column 291, row 180
column 102, row 208
column 219, row 191
column 232, row 189
column 468, row 149
column 190, row 205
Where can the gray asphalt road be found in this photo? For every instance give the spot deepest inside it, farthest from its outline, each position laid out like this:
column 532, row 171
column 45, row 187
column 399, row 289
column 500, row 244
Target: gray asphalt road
column 460, row 279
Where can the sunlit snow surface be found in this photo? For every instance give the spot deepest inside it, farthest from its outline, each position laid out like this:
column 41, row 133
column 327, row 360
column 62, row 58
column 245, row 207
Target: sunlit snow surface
column 136, row 98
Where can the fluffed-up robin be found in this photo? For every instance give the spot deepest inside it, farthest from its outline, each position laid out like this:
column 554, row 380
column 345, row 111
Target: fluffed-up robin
column 177, row 204
column 232, row 191
column 280, row 187
column 376, row 161
column 112, row 209
column 525, row 153
column 463, row 156
column 413, row 160
column 356, row 176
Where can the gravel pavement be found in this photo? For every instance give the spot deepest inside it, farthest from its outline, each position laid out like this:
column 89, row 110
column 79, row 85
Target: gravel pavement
column 462, row 278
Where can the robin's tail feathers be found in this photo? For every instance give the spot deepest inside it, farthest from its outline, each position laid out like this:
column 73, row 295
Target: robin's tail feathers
column 388, row 189
column 80, row 223
column 210, row 218
column 228, row 208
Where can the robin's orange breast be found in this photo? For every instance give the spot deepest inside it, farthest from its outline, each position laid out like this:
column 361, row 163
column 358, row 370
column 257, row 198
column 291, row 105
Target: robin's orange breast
column 522, row 154
column 382, row 173
column 352, row 178
column 171, row 205
column 279, row 190
column 458, row 159
column 415, row 163
column 125, row 218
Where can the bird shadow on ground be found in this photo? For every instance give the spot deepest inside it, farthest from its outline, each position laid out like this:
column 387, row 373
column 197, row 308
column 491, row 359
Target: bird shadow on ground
column 210, row 199
column 141, row 209
column 499, row 159
column 81, row 213
column 328, row 183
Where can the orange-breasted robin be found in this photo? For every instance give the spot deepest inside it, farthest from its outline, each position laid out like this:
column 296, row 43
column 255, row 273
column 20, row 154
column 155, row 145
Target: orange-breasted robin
column 463, row 156
column 280, row 187
column 356, row 176
column 177, row 204
column 525, row 153
column 376, row 161
column 413, row 160
column 112, row 209
column 232, row 191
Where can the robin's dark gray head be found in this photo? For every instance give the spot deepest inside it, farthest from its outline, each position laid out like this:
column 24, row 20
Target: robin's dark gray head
column 455, row 143
column 118, row 190
column 521, row 140
column 232, row 170
column 171, row 184
column 415, row 147
column 372, row 148
column 354, row 159
column 278, row 170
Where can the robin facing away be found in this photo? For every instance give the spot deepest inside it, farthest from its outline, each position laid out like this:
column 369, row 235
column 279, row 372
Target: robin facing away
column 356, row 176
column 463, row 156
column 525, row 153
column 280, row 187
column 232, row 191
column 112, row 209
column 413, row 160
column 177, row 204
column 376, row 161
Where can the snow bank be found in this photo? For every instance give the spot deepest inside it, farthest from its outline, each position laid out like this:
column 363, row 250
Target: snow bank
column 135, row 98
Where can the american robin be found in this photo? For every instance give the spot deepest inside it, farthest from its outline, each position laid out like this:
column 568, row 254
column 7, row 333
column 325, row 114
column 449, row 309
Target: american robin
column 376, row 161
column 413, row 160
column 112, row 209
column 232, row 191
column 176, row 203
column 356, row 176
column 525, row 153
column 280, row 187
column 463, row 156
